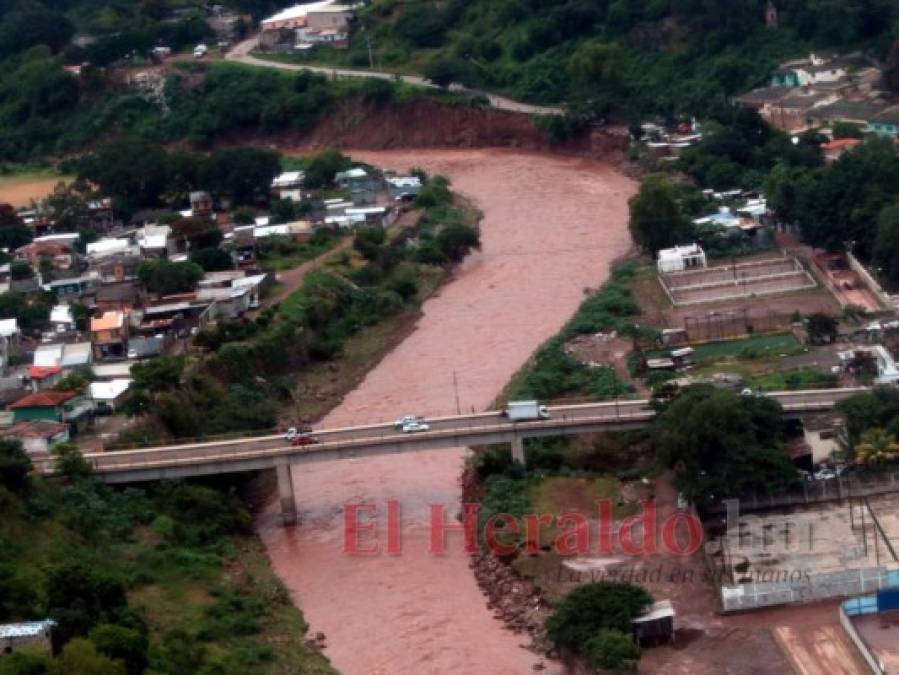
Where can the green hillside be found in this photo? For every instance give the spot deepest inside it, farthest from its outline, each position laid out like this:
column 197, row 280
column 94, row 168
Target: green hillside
column 624, row 55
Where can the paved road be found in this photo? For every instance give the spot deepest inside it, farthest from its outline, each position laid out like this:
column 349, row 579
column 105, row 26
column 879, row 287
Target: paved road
column 240, row 53
column 491, row 427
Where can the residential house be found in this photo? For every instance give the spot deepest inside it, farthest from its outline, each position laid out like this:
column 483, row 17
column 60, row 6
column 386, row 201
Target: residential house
column 114, row 370
column 50, row 362
column 794, row 111
column 403, row 187
column 179, row 319
column 100, row 214
column 834, row 149
column 9, row 335
column 59, row 255
column 233, row 295
column 298, row 16
column 201, row 203
column 37, row 436
column 108, row 396
column 885, row 123
column 153, row 241
column 118, row 296
column 44, row 405
column 104, row 248
column 821, row 433
column 356, row 177
column 141, row 347
column 74, row 288
column 109, row 335
column 244, row 243
column 117, row 266
column 680, row 258
column 289, row 185
column 62, row 319
column 30, row 634
column 381, row 216
column 9, row 329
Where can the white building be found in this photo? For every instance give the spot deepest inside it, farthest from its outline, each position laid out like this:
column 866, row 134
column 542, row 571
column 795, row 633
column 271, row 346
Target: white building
column 680, row 258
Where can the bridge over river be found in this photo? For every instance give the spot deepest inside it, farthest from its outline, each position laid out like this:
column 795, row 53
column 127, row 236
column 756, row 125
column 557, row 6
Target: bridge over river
column 274, row 452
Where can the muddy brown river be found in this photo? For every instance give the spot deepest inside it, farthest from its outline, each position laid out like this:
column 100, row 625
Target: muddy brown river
column 551, row 228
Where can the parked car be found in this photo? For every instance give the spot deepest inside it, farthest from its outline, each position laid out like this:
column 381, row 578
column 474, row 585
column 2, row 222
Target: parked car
column 414, row 426
column 304, row 439
column 407, row 419
column 825, row 474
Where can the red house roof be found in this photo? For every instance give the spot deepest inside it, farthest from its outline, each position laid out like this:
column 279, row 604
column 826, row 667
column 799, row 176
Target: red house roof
column 40, row 372
column 43, row 399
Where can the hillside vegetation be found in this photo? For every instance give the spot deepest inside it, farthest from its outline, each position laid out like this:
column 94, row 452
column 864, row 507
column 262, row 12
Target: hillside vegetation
column 611, row 55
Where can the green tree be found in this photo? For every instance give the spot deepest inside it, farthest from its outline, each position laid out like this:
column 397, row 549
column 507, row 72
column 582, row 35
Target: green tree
column 369, row 241
column 212, row 259
column 164, row 277
column 81, row 656
column 444, row 71
column 127, row 645
column 891, row 69
column 594, row 607
column 131, row 171
column 14, row 466
column 20, row 269
column 822, row 328
column 847, row 130
column 886, row 243
column 724, row 445
column 245, row 173
column 656, row 221
column 322, row 167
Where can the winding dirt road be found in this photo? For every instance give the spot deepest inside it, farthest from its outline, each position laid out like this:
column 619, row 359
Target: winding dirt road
column 551, row 227
column 240, row 53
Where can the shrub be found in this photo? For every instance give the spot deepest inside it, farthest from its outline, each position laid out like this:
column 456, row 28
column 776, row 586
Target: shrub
column 594, row 607
column 612, row 650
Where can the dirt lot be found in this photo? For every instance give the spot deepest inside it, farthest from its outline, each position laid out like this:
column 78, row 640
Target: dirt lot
column 20, row 190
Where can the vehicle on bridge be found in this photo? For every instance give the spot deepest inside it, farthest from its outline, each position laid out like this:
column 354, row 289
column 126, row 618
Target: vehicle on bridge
column 304, row 439
column 414, row 426
column 293, row 432
column 407, row 419
column 518, row 411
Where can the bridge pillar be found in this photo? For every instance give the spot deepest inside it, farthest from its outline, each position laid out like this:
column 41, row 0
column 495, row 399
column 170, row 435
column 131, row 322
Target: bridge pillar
column 518, row 451
column 286, row 495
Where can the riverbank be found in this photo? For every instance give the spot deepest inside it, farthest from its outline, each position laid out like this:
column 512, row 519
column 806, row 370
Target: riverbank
column 551, row 227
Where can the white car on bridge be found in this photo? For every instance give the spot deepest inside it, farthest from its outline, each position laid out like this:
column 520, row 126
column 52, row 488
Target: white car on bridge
column 414, row 426
column 408, row 419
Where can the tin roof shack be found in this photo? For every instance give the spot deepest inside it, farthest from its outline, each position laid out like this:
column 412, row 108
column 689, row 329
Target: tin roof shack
column 233, row 292
column 37, row 436
column 154, row 241
column 656, row 624
column 178, row 319
column 109, row 335
column 140, row 347
column 31, row 634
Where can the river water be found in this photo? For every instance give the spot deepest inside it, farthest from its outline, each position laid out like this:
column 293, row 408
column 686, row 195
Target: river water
column 551, row 228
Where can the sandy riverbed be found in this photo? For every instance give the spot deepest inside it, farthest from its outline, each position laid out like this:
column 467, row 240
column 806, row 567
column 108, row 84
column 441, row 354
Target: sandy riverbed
column 551, row 228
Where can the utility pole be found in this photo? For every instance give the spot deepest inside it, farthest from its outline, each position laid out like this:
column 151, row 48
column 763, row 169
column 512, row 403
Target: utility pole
column 456, row 391
column 371, row 60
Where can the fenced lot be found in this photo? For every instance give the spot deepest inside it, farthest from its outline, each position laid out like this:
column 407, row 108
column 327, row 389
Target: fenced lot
column 769, row 276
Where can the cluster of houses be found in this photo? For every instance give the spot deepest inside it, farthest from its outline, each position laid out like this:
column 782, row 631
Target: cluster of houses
column 104, row 319
column 823, row 89
column 301, row 27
